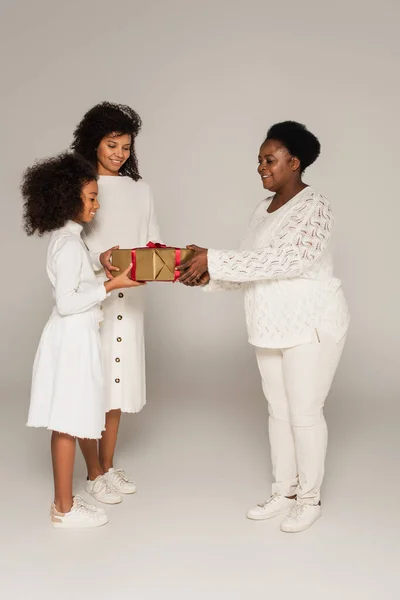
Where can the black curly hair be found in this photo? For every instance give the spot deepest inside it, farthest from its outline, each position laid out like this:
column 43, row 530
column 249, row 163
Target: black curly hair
column 101, row 120
column 297, row 140
column 52, row 190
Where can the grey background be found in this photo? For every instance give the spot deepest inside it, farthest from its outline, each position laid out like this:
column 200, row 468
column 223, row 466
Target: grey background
column 208, row 79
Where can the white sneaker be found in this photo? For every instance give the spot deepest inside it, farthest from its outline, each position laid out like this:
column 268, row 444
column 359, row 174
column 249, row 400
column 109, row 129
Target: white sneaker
column 81, row 516
column 92, row 507
column 301, row 517
column 103, row 491
column 274, row 506
column 120, row 480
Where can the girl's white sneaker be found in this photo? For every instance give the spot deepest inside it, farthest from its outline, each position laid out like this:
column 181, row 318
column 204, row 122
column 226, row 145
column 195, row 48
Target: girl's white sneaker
column 120, row 480
column 103, row 491
column 81, row 516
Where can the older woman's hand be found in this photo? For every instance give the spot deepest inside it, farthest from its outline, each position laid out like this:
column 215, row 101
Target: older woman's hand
column 193, row 269
column 204, row 279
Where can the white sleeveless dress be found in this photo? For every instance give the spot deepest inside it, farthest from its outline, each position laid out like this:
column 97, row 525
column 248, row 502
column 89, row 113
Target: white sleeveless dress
column 126, row 218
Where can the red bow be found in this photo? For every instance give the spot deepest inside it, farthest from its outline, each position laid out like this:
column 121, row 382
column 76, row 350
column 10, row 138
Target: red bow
column 155, row 245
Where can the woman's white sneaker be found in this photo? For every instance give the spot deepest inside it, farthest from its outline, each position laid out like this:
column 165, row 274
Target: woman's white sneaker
column 81, row 516
column 120, row 480
column 103, row 491
column 301, row 517
column 274, row 506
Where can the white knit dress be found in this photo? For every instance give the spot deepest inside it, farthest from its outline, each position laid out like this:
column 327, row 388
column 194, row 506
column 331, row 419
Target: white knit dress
column 67, row 382
column 285, row 267
column 126, row 218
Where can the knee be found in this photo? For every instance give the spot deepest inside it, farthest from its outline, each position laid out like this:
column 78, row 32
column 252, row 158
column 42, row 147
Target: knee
column 279, row 413
column 306, row 418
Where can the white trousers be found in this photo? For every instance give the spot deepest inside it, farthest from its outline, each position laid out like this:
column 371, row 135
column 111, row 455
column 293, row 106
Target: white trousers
column 296, row 382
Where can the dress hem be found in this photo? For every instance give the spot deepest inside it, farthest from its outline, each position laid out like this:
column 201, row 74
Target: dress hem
column 75, row 435
column 125, row 410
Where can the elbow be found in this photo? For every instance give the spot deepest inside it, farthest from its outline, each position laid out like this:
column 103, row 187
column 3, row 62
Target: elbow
column 64, row 305
column 63, row 308
column 67, row 301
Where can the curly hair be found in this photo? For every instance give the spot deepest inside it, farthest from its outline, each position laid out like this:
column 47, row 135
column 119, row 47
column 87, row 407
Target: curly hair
column 101, row 120
column 297, row 140
column 52, row 189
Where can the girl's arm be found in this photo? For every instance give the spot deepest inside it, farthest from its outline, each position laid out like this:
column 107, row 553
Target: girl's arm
column 72, row 295
column 297, row 245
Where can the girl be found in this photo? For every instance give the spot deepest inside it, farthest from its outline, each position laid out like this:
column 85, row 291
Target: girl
column 106, row 137
column 296, row 313
column 60, row 194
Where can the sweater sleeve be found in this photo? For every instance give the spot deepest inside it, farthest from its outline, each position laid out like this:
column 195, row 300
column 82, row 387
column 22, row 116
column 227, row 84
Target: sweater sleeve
column 73, row 296
column 222, row 286
column 302, row 239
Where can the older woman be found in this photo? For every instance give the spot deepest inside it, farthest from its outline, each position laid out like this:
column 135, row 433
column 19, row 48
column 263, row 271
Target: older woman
column 296, row 314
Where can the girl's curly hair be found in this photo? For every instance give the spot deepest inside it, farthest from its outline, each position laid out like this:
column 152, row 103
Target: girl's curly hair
column 298, row 140
column 100, row 121
column 52, row 190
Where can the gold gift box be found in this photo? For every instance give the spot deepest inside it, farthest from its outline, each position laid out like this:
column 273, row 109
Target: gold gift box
column 150, row 264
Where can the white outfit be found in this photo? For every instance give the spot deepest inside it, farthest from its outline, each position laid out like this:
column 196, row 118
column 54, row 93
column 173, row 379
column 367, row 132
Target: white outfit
column 297, row 318
column 67, row 383
column 285, row 267
column 126, row 218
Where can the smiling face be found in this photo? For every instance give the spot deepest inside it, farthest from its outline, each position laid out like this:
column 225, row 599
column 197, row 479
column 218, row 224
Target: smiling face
column 90, row 204
column 112, row 152
column 276, row 166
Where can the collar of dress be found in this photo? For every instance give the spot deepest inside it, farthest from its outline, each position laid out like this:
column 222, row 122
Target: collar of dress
column 73, row 227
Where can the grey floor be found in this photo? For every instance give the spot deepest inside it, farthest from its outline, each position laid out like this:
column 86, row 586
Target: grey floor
column 200, row 459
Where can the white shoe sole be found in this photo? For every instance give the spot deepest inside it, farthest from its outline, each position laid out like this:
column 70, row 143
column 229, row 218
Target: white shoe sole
column 66, row 525
column 304, row 528
column 127, row 493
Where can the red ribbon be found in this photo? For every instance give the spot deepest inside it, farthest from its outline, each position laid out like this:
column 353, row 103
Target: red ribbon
column 133, row 261
column 156, row 245
column 177, row 273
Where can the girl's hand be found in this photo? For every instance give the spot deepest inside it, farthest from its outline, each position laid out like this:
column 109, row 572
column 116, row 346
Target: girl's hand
column 122, row 281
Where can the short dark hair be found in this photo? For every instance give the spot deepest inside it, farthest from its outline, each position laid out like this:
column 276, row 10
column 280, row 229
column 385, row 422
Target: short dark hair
column 52, row 191
column 297, row 140
column 100, row 121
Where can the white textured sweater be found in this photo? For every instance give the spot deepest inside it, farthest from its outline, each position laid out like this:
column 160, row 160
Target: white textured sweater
column 285, row 267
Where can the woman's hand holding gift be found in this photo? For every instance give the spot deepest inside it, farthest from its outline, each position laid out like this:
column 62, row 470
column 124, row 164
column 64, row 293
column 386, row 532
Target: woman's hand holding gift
column 105, row 260
column 194, row 271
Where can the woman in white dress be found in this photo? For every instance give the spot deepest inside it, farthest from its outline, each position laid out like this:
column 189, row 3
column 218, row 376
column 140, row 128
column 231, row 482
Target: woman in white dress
column 106, row 137
column 296, row 313
column 60, row 194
